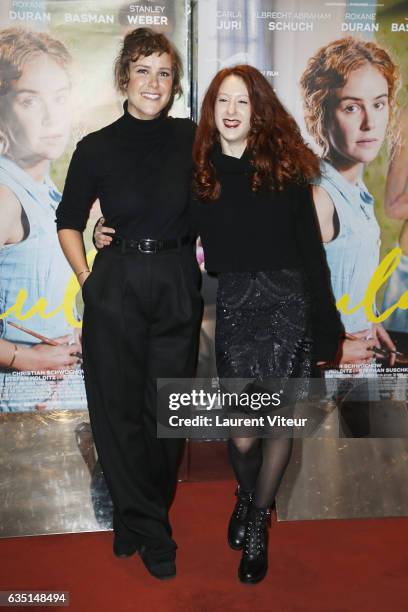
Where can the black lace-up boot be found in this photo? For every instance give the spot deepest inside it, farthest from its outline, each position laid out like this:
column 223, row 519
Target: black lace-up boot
column 239, row 519
column 254, row 562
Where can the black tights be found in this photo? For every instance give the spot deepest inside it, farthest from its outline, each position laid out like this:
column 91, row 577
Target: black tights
column 259, row 465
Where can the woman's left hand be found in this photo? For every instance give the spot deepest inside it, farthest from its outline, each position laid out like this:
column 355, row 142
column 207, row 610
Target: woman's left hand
column 101, row 239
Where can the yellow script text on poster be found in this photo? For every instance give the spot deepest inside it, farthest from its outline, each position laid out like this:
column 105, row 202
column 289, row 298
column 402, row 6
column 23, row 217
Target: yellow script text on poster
column 379, row 278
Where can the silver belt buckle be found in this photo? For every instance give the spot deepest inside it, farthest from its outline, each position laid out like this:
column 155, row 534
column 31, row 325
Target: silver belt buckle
column 147, row 245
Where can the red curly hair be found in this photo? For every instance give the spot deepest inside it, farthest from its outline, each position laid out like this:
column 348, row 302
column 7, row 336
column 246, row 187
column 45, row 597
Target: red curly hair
column 275, row 145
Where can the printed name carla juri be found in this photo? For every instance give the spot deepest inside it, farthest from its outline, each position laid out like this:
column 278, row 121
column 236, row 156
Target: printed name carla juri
column 218, row 421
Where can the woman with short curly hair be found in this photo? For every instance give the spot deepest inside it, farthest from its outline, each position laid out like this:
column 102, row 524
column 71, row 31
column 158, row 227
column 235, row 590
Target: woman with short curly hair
column 142, row 300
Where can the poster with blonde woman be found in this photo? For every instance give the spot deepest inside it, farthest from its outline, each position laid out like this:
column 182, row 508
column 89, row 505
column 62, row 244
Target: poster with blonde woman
column 40, row 350
column 348, row 90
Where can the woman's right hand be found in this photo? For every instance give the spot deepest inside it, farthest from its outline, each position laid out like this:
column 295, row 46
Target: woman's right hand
column 64, row 356
column 99, row 236
column 358, row 351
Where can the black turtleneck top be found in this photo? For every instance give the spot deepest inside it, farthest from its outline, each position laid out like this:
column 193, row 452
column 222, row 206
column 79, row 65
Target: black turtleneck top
column 141, row 173
column 243, row 231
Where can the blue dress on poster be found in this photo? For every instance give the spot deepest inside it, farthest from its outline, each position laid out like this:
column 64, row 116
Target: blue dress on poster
column 353, row 255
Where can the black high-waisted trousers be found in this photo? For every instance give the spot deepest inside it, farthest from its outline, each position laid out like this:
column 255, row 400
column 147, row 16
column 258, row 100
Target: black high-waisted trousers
column 141, row 322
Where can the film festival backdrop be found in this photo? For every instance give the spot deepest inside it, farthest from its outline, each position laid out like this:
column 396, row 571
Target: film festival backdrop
column 50, row 479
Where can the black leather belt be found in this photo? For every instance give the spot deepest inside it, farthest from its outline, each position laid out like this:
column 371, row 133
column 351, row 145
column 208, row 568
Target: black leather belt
column 148, row 245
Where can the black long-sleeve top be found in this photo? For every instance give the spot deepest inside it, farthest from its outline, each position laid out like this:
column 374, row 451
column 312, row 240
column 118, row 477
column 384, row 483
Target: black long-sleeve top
column 268, row 230
column 141, row 173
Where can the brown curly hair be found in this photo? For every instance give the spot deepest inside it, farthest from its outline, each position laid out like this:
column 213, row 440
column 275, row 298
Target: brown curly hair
column 275, row 145
column 145, row 42
column 328, row 69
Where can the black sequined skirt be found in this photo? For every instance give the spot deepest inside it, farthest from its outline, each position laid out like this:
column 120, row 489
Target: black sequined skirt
column 263, row 325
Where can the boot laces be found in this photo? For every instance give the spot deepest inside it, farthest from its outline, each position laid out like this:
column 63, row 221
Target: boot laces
column 254, row 543
column 242, row 505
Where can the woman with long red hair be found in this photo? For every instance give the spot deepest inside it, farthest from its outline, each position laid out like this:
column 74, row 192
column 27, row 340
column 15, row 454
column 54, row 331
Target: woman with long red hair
column 275, row 311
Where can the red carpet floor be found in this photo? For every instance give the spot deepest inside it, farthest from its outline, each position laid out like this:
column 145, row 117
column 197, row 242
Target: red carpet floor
column 319, row 566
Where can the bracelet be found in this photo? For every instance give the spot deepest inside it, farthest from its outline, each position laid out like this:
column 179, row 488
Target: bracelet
column 10, row 365
column 83, row 272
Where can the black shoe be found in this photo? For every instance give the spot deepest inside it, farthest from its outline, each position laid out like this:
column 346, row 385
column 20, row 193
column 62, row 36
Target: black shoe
column 159, row 564
column 122, row 548
column 239, row 519
column 124, row 544
column 254, row 562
